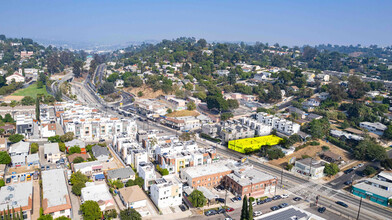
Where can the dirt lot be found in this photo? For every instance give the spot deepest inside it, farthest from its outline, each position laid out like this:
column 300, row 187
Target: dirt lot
column 313, row 152
column 10, row 98
column 148, row 93
column 183, row 113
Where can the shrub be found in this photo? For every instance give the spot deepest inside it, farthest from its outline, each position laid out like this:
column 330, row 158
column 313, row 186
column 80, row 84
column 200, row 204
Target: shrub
column 325, row 148
column 34, row 148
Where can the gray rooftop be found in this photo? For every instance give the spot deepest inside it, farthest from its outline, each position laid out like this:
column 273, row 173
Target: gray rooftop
column 75, row 142
column 18, row 158
column 207, row 193
column 288, row 213
column 79, row 166
column 54, row 188
column 16, row 195
column 32, row 158
column 20, row 147
column 207, row 169
column 250, row 176
column 51, row 148
column 122, row 173
column 100, row 151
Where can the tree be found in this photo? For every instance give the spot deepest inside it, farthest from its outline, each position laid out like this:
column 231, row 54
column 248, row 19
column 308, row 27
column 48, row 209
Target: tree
column 331, row 169
column 46, row 217
column 319, row 128
column 388, row 133
column 232, row 103
column 78, row 177
column 69, row 136
column 140, row 94
column 163, row 172
column 356, row 88
column 28, row 100
column 78, row 160
column 244, row 210
column 169, row 111
column 130, row 214
column 34, row 148
column 8, row 118
column 15, row 138
column 188, row 86
column 2, row 183
column 37, row 110
column 77, row 188
column 91, row 210
column 54, row 139
column 74, row 149
column 226, row 116
column 197, row 198
column 62, row 218
column 250, row 211
column 191, row 106
column 62, row 147
column 138, row 181
column 369, row 150
column 77, row 68
column 369, row 170
column 106, row 88
column 275, row 153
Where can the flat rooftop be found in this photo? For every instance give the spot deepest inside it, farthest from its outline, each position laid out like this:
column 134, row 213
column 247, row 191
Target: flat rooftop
column 55, row 191
column 207, row 169
column 250, row 176
column 16, row 195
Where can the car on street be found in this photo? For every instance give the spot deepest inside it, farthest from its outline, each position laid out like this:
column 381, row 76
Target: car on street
column 342, row 204
column 349, row 182
column 48, row 167
column 257, row 213
column 297, row 199
column 360, row 165
column 321, row 209
column 283, row 205
column 285, row 196
column 348, row 171
column 211, row 212
column 228, row 218
column 229, row 209
column 274, row 208
column 355, row 167
column 276, row 197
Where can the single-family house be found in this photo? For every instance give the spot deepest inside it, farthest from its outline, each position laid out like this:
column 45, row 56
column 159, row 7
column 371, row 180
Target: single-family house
column 122, row 174
column 101, row 153
column 133, row 197
column 52, row 152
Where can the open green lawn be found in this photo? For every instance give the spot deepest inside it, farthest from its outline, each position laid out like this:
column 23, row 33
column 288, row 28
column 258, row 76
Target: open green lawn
column 32, row 91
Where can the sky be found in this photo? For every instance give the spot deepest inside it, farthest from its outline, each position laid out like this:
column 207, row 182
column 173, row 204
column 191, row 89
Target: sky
column 287, row 22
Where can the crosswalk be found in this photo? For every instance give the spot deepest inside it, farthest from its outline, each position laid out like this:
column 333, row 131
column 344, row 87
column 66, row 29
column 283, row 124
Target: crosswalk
column 309, row 191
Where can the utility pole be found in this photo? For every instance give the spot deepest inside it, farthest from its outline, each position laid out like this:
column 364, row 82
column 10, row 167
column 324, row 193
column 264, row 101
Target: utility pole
column 310, row 170
column 281, row 179
column 225, row 193
column 359, row 209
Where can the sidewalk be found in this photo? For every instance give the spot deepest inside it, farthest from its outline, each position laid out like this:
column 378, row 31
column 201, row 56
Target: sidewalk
column 36, row 199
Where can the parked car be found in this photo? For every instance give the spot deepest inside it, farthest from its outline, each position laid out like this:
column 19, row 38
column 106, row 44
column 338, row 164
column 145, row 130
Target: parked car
column 220, row 200
column 221, row 211
column 276, row 197
column 229, row 209
column 257, row 213
column 211, row 212
column 283, row 205
column 285, row 196
column 297, row 199
column 28, row 177
column 15, row 179
column 47, row 167
column 42, row 167
column 254, row 203
column 22, row 178
column 360, row 165
column 8, row 180
column 260, row 202
column 273, row 208
column 321, row 209
column 342, row 204
column 183, row 208
column 268, row 200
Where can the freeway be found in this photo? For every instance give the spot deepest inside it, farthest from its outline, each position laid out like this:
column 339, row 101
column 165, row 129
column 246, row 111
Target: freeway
column 55, row 86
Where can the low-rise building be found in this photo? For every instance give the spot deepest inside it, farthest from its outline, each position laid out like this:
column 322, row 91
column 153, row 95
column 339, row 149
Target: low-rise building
column 147, row 172
column 250, row 182
column 52, row 152
column 18, row 160
column 20, row 148
column 76, row 142
column 90, row 169
column 16, row 77
column 17, row 196
column 32, row 159
column 167, row 191
column 377, row 127
column 375, row 190
column 309, row 167
column 99, row 193
column 24, row 125
column 133, row 197
column 121, row 174
column 55, row 199
column 101, row 153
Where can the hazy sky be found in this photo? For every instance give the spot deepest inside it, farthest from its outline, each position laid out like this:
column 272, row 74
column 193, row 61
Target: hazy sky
column 288, row 22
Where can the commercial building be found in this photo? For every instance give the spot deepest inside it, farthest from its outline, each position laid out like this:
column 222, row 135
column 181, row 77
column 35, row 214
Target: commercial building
column 55, row 199
column 375, row 190
column 20, row 148
column 52, row 152
column 253, row 144
column 99, row 193
column 250, row 182
column 309, row 167
column 17, row 196
column 166, row 192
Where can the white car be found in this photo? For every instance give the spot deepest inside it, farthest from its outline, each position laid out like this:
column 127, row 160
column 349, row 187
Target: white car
column 285, row 196
column 257, row 213
column 360, row 165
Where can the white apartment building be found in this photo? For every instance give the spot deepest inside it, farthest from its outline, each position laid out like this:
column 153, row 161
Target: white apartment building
column 146, row 171
column 166, row 192
column 281, row 125
column 52, row 152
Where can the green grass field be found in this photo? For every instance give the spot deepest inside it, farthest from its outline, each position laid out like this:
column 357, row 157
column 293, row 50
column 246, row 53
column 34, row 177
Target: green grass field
column 32, row 91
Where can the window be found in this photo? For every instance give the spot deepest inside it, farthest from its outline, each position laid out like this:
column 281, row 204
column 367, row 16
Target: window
column 62, row 211
column 246, row 189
